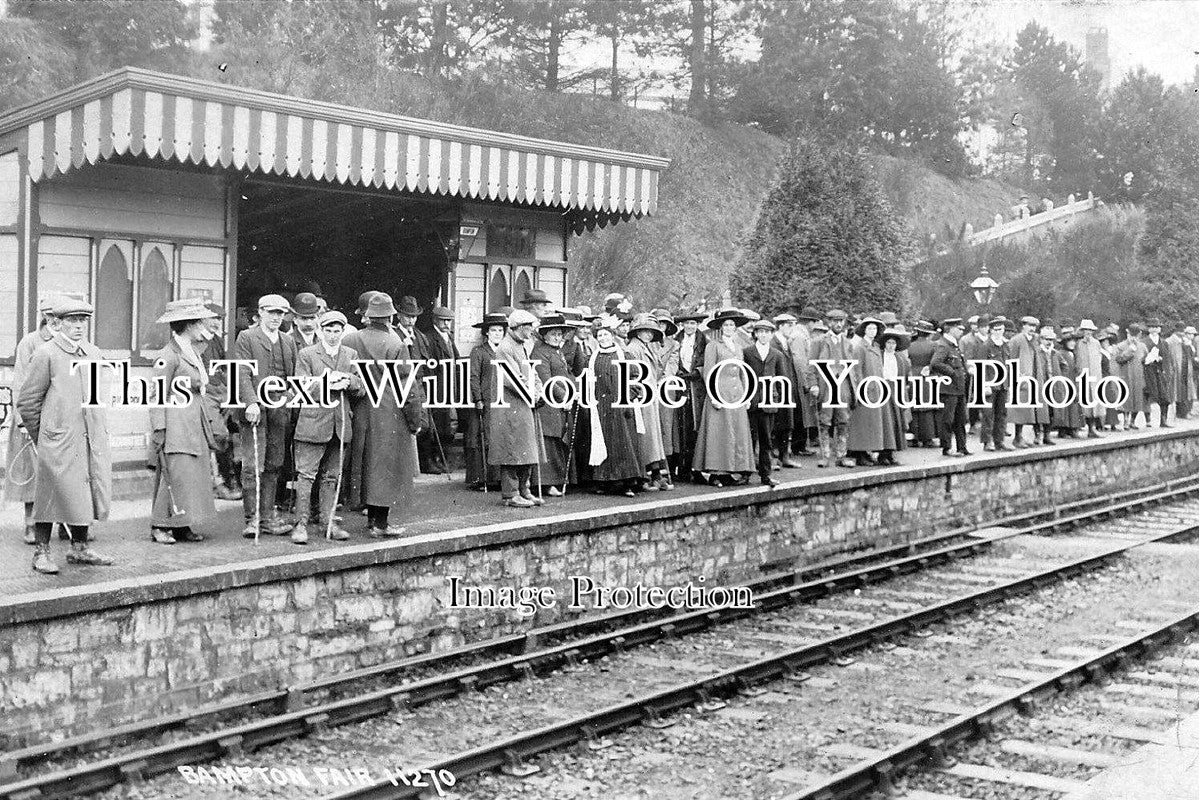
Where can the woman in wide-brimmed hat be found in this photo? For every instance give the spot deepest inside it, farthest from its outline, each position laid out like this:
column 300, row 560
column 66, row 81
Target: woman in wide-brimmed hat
column 644, row 333
column 182, row 435
column 482, row 392
column 867, row 432
column 666, row 356
column 724, row 449
column 897, row 368
column 555, row 470
column 612, row 454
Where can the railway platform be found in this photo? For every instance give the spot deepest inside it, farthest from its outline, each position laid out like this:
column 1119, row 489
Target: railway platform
column 1164, row 770
column 174, row 627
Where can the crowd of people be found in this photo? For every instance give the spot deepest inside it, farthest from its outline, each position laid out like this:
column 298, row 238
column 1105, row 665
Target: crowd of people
column 302, row 468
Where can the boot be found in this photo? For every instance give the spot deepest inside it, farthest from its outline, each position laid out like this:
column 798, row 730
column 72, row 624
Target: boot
column 825, row 448
column 42, row 562
column 82, row 554
column 299, row 534
column 30, row 534
column 785, row 459
column 841, row 448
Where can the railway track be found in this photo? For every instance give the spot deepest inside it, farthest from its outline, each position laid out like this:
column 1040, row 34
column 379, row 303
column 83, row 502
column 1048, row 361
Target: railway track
column 312, row 708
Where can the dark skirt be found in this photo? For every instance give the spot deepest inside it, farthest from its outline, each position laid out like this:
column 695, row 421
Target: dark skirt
column 477, row 472
column 924, row 426
column 620, row 440
column 189, row 494
column 554, row 470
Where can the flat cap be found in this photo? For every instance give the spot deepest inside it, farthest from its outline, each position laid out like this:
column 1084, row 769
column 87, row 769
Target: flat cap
column 273, row 302
column 521, row 317
column 67, row 306
column 331, row 317
column 441, row 312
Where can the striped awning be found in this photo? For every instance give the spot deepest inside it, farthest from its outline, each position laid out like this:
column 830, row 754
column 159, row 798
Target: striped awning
column 140, row 113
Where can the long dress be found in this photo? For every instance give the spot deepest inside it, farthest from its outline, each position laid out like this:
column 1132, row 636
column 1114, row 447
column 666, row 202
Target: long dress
column 724, row 444
column 866, row 424
column 1129, row 356
column 613, row 455
column 895, row 419
column 649, row 443
column 667, row 357
column 554, row 469
column 1070, row 417
column 183, row 480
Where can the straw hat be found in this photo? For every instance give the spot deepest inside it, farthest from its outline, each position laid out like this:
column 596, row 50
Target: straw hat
column 189, row 308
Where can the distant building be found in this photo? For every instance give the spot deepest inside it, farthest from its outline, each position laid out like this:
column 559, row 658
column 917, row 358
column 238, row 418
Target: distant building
column 1098, row 57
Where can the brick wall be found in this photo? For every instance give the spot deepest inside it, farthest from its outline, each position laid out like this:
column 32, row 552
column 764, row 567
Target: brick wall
column 169, row 645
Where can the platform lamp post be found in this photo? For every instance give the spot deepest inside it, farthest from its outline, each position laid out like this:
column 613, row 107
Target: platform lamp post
column 984, row 287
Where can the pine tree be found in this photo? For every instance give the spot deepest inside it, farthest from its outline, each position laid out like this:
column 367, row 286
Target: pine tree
column 825, row 236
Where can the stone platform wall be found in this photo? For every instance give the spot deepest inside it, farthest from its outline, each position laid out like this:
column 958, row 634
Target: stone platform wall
column 146, row 647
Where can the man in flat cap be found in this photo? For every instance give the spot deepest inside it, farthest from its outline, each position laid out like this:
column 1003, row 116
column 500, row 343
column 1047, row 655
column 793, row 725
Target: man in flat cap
column 833, row 432
column 73, row 477
column 786, row 419
column 804, row 422
column 274, row 354
column 1022, row 348
column 948, row 361
column 512, row 436
column 227, row 481
column 994, row 415
column 323, row 434
column 19, row 469
column 443, row 350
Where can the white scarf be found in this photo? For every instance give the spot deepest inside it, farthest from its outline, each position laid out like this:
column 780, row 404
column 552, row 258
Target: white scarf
column 189, row 355
column 599, row 449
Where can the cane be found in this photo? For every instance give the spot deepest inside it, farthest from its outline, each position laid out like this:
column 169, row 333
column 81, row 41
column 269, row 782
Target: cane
column 540, row 446
column 574, row 421
column 341, row 462
column 165, row 476
column 257, row 484
column 483, row 445
column 444, row 463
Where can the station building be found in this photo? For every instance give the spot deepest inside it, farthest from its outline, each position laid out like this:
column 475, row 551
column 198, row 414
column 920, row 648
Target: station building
column 138, row 187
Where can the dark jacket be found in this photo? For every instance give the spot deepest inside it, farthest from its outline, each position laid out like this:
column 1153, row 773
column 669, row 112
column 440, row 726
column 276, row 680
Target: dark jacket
column 253, row 345
column 771, row 367
column 948, row 360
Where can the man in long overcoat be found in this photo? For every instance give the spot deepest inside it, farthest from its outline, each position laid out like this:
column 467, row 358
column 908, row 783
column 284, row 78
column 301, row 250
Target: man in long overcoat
column 383, row 459
column 786, row 420
column 514, row 444
column 19, row 468
column 1180, row 357
column 443, row 349
column 1129, row 357
column 274, row 353
column 766, row 362
column 73, row 477
column 1022, row 349
column 1088, row 359
column 834, row 347
column 691, row 344
column 993, row 432
column 804, row 422
column 323, row 434
column 920, row 354
column 1159, row 372
column 949, row 361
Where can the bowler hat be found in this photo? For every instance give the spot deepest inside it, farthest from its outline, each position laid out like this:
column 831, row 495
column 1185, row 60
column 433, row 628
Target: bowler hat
column 332, row 317
column 490, row 319
column 408, row 307
column 441, row 312
column 306, row 305
column 380, row 305
column 187, row 309
column 535, row 296
column 809, row 314
column 646, row 322
column 273, row 302
column 902, row 338
column 67, row 306
column 729, row 313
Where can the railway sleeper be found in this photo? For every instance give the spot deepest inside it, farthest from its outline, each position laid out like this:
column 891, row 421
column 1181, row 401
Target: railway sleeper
column 514, row 767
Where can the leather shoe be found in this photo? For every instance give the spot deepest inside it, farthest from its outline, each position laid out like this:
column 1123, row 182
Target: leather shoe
column 188, row 535
column 988, row 448
column 162, row 536
column 223, row 492
column 1004, row 446
column 338, row 533
column 299, row 534
column 276, row 527
column 518, row 502
column 43, row 563
column 964, row 452
column 554, row 491
column 534, row 499
column 30, row 535
column 768, row 480
column 788, row 462
column 954, row 454
column 82, row 554
column 847, row 462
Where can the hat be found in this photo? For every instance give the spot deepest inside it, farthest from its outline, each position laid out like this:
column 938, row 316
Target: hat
column 215, row 308
column 380, row 305
column 490, row 319
column 1190, row 330
column 809, row 314
column 693, row 314
column 586, row 312
column 902, row 339
column 273, row 302
column 819, row 326
column 888, row 318
column 607, row 322
column 441, row 312
column 924, row 326
column 553, row 322
column 187, row 309
column 729, row 313
column 615, row 301
column 950, row 322
column 972, row 320
column 46, row 302
column 1030, row 321
column 573, row 317
column 1179, row 326
column 1047, row 332
column 535, row 296
column 783, row 319
column 305, row 305
column 505, row 310
column 1135, row 327
column 329, row 317
column 1066, row 324
column 750, row 314
column 860, row 330
column 835, row 313
column 1103, row 336
column 762, row 324
column 364, row 300
column 408, row 307
column 1153, row 322
column 1086, row 325
column 646, row 322
column 521, row 317
column 998, row 322
column 66, row 306
column 665, row 319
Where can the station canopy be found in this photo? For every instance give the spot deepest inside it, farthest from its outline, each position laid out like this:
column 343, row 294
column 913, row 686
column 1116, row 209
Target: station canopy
column 135, row 112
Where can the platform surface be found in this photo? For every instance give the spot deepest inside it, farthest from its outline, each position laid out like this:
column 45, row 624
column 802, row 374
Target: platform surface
column 442, row 505
column 1167, row 771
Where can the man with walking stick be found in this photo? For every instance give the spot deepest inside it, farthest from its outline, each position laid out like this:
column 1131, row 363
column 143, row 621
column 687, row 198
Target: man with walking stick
column 322, row 434
column 513, row 434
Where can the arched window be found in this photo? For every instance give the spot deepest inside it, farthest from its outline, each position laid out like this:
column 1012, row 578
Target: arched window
column 520, row 286
column 154, row 292
column 497, row 290
column 114, row 296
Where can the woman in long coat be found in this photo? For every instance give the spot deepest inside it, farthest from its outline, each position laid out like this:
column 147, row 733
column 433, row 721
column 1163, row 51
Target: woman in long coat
column 666, row 357
column 865, row 423
column 1129, row 356
column 554, row 471
column 74, row 465
column 19, row 485
column 1045, row 365
column 724, row 449
column 896, row 368
column 479, row 474
column 613, row 454
column 383, row 459
column 644, row 334
column 182, row 435
column 1068, row 420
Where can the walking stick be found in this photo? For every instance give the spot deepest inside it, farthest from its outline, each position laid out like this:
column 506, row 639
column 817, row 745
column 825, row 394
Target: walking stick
column 574, row 421
column 540, row 445
column 165, row 476
column 437, row 438
column 483, row 445
column 257, row 484
column 341, row 462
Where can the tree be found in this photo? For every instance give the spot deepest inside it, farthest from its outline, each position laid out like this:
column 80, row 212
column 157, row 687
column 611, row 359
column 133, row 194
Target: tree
column 1169, row 253
column 539, row 36
column 442, row 38
column 105, row 34
column 1133, row 140
column 622, row 23
column 826, row 236
column 33, row 63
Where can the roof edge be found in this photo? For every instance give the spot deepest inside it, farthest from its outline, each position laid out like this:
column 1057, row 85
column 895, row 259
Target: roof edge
column 137, row 78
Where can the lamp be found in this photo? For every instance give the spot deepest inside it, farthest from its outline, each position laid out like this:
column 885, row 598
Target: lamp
column 984, row 287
